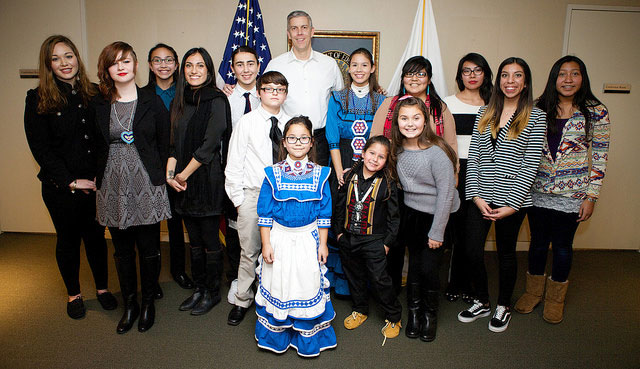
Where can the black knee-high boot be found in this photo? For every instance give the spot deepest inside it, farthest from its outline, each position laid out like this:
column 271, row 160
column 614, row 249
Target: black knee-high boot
column 213, row 273
column 149, row 279
column 126, row 268
column 429, row 319
column 412, row 328
column 198, row 272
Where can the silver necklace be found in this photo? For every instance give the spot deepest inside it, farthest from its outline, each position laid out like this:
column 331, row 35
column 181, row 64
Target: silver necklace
column 127, row 134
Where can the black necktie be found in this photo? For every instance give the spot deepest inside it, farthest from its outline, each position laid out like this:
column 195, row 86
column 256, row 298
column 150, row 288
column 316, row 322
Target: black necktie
column 247, row 103
column 276, row 136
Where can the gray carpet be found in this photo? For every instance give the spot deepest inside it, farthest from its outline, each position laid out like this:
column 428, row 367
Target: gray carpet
column 601, row 327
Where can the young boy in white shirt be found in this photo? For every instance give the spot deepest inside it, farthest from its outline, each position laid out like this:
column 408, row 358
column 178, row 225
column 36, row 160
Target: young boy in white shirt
column 244, row 98
column 253, row 146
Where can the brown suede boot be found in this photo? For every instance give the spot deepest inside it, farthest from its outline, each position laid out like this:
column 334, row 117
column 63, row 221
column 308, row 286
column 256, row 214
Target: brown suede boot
column 554, row 301
column 532, row 295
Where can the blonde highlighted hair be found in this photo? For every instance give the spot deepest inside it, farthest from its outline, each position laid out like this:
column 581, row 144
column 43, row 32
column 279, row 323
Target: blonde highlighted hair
column 491, row 117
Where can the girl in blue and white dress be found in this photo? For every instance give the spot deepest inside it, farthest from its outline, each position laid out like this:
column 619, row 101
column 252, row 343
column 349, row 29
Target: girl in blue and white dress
column 294, row 209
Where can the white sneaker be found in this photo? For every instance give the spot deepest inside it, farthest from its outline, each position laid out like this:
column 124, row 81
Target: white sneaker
column 475, row 311
column 231, row 296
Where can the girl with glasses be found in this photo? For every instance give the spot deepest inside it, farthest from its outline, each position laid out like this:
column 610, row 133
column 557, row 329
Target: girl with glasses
column 474, row 84
column 294, row 208
column 163, row 75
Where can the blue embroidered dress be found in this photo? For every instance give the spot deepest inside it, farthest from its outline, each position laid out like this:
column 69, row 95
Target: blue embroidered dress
column 349, row 120
column 292, row 303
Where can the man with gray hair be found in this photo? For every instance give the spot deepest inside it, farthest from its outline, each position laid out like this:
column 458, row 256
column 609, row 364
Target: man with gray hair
column 311, row 75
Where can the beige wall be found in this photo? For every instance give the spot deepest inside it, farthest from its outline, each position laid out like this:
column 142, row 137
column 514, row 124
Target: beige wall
column 495, row 28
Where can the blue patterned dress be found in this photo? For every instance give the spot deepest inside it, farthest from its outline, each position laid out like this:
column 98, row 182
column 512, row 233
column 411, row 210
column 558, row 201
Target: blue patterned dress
column 349, row 120
column 292, row 303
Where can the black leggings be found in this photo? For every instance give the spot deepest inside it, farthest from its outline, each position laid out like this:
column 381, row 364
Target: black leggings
column 555, row 227
column 506, row 239
column 424, row 262
column 74, row 218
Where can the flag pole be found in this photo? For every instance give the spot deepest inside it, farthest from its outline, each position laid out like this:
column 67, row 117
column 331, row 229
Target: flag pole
column 422, row 30
column 246, row 40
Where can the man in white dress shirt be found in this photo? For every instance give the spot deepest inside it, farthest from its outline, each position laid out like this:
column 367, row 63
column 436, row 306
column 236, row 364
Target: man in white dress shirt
column 311, row 76
column 251, row 149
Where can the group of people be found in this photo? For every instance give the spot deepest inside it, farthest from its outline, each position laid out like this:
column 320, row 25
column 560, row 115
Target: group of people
column 316, row 183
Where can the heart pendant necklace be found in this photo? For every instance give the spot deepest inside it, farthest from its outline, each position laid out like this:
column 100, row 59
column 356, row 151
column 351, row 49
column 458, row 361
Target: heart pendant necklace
column 127, row 134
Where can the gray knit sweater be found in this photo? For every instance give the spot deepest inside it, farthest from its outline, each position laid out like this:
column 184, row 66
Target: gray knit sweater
column 428, row 181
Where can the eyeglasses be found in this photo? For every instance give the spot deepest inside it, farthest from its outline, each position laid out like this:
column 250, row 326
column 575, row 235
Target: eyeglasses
column 291, row 140
column 169, row 60
column 415, row 74
column 270, row 90
column 467, row 71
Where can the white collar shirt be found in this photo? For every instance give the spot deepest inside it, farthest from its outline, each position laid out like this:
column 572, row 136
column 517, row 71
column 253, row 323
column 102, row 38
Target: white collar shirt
column 250, row 151
column 237, row 102
column 310, row 84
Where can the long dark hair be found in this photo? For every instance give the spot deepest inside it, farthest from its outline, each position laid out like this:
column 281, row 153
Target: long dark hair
column 416, row 64
column 107, row 58
column 480, row 61
column 152, row 76
column 386, row 170
column 51, row 98
column 177, row 106
column 491, row 117
column 373, row 81
column 583, row 99
column 304, row 121
column 426, row 139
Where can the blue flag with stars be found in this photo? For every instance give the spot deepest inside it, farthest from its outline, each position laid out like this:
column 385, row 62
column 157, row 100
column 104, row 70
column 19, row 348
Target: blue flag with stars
column 247, row 29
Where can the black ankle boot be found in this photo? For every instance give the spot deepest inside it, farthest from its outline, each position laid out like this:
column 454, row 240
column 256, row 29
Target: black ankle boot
column 429, row 318
column 213, row 274
column 147, row 315
column 192, row 300
column 131, row 312
column 206, row 303
column 412, row 328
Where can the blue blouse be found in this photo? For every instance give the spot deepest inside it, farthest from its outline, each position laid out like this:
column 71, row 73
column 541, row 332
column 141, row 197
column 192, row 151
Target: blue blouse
column 295, row 200
column 166, row 95
column 340, row 118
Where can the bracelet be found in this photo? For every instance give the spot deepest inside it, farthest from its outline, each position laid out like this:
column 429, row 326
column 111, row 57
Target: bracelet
column 475, row 198
column 74, row 184
column 592, row 199
column 170, row 177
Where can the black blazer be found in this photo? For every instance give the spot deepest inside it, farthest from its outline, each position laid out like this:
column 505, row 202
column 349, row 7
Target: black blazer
column 62, row 141
column 151, row 129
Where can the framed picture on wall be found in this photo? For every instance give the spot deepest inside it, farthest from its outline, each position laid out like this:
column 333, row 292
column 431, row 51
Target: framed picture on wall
column 340, row 44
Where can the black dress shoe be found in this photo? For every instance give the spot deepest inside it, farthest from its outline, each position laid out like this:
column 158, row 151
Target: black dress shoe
column 236, row 315
column 76, row 309
column 157, row 293
column 192, row 300
column 107, row 301
column 183, row 281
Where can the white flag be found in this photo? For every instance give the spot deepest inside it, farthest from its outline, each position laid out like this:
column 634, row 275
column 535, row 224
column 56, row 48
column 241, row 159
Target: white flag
column 423, row 41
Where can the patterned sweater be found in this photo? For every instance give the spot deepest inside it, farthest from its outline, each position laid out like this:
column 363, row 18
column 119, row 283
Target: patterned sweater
column 569, row 174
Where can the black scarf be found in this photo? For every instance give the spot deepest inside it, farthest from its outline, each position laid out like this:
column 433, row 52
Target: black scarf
column 198, row 198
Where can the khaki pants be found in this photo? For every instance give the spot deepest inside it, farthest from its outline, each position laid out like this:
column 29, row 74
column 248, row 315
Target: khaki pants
column 250, row 245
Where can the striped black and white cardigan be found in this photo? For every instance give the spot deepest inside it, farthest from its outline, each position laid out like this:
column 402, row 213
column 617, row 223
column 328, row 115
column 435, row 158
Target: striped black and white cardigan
column 503, row 176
